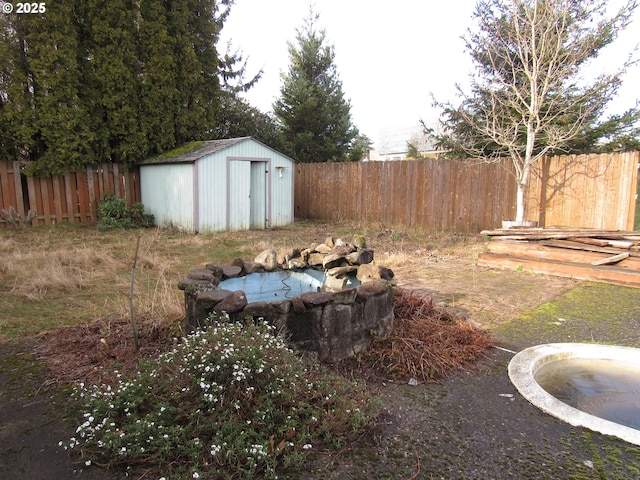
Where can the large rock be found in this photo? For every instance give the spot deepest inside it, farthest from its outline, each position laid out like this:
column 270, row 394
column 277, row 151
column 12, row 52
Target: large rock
column 360, row 257
column 268, row 259
column 316, row 259
column 231, row 271
column 332, row 260
column 369, row 272
column 337, row 271
column 232, row 303
column 333, row 284
column 322, row 248
column 201, row 274
column 344, row 248
column 297, row 263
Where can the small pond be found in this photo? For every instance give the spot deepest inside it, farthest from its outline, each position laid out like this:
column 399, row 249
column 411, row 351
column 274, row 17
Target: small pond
column 586, row 385
column 604, row 388
column 279, row 285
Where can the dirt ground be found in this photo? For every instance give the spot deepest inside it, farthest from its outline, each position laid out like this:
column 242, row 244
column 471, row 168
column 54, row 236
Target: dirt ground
column 471, row 425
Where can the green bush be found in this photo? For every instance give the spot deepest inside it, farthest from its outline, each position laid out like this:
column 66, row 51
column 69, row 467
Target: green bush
column 114, row 212
column 231, row 401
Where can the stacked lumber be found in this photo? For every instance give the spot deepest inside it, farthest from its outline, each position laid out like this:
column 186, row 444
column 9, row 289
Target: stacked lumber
column 611, row 256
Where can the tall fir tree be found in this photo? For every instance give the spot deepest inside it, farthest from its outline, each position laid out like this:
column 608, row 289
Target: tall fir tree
column 114, row 77
column 18, row 132
column 159, row 90
column 117, row 80
column 194, row 25
column 315, row 116
column 61, row 117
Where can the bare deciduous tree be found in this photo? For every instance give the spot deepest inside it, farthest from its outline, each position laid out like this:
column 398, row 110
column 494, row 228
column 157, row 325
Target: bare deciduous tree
column 527, row 95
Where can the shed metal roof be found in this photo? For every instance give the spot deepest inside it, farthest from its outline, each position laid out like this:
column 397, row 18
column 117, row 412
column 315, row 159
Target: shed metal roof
column 201, row 150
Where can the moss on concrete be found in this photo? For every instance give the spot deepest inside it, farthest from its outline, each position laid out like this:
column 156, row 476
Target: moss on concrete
column 591, row 312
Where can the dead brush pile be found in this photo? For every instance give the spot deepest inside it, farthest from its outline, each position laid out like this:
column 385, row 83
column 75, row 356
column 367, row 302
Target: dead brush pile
column 427, row 342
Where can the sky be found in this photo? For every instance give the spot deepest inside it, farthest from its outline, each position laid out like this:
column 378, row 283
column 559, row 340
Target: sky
column 390, row 56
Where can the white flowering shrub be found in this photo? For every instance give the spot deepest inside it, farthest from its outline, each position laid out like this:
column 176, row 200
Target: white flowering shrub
column 231, row 401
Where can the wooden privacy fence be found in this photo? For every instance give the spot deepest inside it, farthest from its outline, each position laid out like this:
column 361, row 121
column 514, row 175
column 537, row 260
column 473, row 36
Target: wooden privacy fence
column 586, row 191
column 591, row 191
column 72, row 197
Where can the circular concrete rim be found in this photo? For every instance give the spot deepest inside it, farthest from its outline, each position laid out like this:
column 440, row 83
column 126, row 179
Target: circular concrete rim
column 523, row 366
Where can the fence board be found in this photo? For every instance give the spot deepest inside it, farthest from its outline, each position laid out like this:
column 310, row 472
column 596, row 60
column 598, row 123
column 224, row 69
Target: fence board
column 83, row 196
column 71, row 197
column 590, row 191
column 5, row 193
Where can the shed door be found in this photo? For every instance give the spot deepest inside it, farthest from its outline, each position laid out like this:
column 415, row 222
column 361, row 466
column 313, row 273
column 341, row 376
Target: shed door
column 248, row 195
column 258, row 195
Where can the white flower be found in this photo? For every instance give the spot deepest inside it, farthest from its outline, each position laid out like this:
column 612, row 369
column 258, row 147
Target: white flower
column 195, row 475
column 307, row 446
column 87, row 463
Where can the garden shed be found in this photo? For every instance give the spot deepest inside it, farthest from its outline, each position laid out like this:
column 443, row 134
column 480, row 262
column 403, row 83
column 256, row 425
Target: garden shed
column 231, row 184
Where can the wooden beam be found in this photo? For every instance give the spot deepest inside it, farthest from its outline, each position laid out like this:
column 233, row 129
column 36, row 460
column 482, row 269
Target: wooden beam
column 537, row 251
column 611, row 260
column 568, row 244
column 560, row 233
column 607, row 274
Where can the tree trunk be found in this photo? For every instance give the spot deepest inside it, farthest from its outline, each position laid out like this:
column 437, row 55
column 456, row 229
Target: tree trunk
column 520, row 202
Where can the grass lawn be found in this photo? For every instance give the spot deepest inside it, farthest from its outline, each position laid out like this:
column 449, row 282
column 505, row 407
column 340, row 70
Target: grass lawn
column 70, row 274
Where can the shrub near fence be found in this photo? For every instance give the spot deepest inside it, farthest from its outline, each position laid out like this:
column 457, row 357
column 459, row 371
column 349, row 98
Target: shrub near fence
column 71, row 197
column 585, row 191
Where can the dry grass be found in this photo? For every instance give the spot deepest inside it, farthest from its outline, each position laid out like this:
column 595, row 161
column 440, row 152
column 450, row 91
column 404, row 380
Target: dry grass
column 72, row 275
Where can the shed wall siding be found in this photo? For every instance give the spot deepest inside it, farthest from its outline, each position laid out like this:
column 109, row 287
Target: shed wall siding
column 212, row 193
column 281, row 191
column 167, row 193
column 239, row 206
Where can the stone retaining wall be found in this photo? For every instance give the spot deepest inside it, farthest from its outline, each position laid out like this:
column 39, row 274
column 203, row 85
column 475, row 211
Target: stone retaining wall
column 326, row 326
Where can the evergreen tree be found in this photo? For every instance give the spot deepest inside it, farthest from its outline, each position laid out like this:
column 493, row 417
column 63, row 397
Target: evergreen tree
column 196, row 24
column 158, row 84
column 17, row 86
column 361, row 145
column 61, row 118
column 118, row 80
column 239, row 119
column 113, row 74
column 315, row 117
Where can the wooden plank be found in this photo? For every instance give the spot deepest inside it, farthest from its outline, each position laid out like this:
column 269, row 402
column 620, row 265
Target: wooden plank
column 57, row 199
column 581, row 246
column 33, row 200
column 607, row 274
column 70, row 193
column 17, row 180
column 604, row 243
column 83, row 196
column 5, row 194
column 537, row 251
column 43, row 190
column 92, row 195
column 117, row 181
column 611, row 260
column 548, row 234
column 631, row 160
